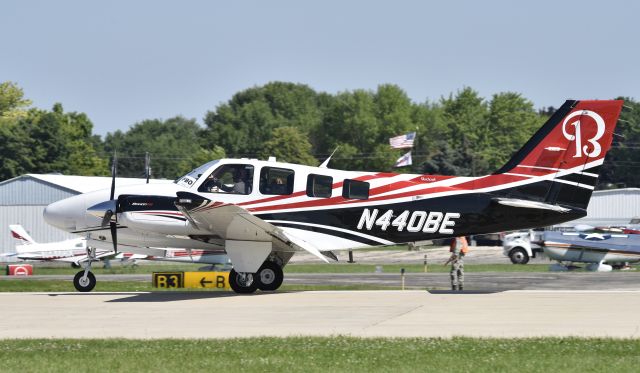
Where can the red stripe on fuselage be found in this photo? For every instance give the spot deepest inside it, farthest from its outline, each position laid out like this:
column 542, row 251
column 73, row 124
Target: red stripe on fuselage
column 304, row 192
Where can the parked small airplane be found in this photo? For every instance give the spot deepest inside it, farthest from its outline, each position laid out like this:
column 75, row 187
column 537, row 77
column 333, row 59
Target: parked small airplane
column 593, row 248
column 74, row 251
column 261, row 212
column 70, row 251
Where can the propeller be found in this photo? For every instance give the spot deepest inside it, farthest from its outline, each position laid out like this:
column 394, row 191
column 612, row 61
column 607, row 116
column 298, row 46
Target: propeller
column 113, row 224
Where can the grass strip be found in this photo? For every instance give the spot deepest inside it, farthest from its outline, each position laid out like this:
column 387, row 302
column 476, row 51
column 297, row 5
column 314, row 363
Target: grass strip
column 322, row 354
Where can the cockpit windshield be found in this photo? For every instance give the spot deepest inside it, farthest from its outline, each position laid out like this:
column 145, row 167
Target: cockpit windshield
column 190, row 178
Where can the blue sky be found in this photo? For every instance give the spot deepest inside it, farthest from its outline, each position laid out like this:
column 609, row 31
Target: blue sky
column 124, row 61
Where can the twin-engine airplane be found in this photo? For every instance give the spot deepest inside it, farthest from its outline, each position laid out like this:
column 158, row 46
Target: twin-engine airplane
column 261, row 212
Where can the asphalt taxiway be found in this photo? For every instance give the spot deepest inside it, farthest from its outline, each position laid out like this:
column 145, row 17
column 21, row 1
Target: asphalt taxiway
column 322, row 313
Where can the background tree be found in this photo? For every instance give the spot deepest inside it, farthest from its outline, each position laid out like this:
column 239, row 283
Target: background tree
column 288, row 144
column 361, row 122
column 465, row 117
column 169, row 142
column 13, row 105
column 511, row 121
column 249, row 119
column 621, row 167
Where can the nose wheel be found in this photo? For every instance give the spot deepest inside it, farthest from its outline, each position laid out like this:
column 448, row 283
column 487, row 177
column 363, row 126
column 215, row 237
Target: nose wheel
column 84, row 281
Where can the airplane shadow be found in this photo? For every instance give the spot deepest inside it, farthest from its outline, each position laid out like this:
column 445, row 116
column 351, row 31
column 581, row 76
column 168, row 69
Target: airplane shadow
column 177, row 296
column 464, row 292
column 161, row 296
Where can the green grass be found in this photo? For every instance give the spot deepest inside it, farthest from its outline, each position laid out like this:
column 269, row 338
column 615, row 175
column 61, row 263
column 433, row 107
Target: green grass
column 410, row 268
column 316, row 354
column 67, row 285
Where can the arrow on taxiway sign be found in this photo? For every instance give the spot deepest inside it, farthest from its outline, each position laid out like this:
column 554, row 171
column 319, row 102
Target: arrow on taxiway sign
column 203, row 282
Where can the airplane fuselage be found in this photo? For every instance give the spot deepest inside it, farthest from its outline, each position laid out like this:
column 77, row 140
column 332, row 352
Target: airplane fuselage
column 398, row 208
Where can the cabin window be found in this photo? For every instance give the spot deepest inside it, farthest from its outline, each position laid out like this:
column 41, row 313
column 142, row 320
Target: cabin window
column 319, row 186
column 354, row 189
column 276, row 181
column 229, row 178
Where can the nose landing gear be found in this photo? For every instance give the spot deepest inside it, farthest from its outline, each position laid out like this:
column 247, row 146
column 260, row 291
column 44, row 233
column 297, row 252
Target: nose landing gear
column 84, row 281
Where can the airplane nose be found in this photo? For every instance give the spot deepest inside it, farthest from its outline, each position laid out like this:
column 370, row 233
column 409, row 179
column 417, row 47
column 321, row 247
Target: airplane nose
column 61, row 214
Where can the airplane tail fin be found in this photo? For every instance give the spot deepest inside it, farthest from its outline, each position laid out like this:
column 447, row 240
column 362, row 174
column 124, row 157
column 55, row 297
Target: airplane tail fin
column 18, row 232
column 562, row 160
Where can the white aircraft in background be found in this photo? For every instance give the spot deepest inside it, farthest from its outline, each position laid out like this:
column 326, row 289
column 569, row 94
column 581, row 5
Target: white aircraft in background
column 261, row 212
column 74, row 251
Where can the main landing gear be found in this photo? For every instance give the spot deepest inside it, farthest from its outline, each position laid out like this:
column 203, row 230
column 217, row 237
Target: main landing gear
column 268, row 278
column 85, row 281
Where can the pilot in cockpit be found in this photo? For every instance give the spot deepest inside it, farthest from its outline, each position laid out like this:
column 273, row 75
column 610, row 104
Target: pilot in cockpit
column 240, row 176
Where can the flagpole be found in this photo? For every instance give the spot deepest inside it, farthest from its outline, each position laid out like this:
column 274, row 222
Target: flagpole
column 415, row 140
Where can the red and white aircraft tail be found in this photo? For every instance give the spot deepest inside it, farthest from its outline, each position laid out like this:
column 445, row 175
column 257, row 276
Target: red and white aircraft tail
column 20, row 234
column 563, row 159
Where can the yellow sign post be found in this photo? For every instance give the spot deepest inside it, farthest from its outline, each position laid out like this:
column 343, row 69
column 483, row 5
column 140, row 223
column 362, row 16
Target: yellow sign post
column 204, row 280
column 193, row 280
column 168, row 280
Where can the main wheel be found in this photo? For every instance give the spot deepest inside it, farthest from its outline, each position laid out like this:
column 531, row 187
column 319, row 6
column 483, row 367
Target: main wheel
column 269, row 276
column 518, row 256
column 242, row 285
column 84, row 284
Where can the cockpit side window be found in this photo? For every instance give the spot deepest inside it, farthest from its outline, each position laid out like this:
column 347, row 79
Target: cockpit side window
column 229, row 178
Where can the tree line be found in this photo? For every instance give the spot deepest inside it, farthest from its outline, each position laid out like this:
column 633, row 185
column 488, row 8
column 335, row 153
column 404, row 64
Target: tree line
column 460, row 134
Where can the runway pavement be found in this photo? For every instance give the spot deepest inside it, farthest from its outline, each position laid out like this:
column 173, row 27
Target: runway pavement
column 322, row 313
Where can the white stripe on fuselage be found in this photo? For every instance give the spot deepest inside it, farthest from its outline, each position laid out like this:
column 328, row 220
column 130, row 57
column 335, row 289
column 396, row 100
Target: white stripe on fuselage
column 328, row 227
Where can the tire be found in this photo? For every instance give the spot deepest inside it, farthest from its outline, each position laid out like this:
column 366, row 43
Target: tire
column 269, row 277
column 518, row 256
column 84, row 286
column 75, row 265
column 235, row 281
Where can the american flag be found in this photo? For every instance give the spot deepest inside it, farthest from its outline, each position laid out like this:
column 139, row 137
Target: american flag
column 405, row 160
column 402, row 142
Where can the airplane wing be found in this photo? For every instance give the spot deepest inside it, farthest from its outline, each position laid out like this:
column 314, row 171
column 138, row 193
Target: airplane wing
column 233, row 223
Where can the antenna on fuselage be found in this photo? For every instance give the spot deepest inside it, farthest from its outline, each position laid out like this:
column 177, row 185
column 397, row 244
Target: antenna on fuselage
column 147, row 166
column 326, row 161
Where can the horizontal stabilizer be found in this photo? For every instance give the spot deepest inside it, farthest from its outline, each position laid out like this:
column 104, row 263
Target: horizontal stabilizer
column 523, row 203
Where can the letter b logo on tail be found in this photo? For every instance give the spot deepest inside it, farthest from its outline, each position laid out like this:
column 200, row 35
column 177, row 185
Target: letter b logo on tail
column 597, row 149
